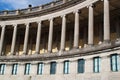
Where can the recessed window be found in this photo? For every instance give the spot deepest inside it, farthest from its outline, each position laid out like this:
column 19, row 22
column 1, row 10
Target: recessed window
column 66, row 67
column 52, row 67
column 96, row 64
column 2, row 69
column 27, row 68
column 40, row 69
column 81, row 65
column 14, row 69
column 115, row 62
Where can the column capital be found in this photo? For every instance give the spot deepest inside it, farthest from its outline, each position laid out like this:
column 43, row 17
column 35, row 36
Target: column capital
column 51, row 19
column 76, row 11
column 27, row 24
column 63, row 15
column 91, row 5
column 14, row 25
column 39, row 22
column 3, row 26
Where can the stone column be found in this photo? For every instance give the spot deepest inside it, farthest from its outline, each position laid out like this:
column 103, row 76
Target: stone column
column 14, row 40
column 90, row 25
column 106, row 21
column 38, row 38
column 62, row 47
column 26, row 39
column 2, row 39
column 50, row 36
column 76, row 30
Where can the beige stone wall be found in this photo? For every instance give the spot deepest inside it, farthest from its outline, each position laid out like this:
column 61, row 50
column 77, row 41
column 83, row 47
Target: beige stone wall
column 105, row 73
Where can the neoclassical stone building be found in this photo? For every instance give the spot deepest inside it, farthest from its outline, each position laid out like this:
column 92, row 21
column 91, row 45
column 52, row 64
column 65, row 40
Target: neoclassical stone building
column 61, row 40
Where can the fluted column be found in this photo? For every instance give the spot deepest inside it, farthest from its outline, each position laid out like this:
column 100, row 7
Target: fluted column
column 2, row 39
column 106, row 21
column 90, row 25
column 38, row 38
column 76, row 30
column 62, row 46
column 14, row 40
column 50, row 36
column 26, row 39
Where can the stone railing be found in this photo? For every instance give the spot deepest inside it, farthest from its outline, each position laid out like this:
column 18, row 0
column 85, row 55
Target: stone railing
column 38, row 8
column 32, row 9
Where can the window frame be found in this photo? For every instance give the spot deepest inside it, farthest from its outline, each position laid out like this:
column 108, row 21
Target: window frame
column 14, row 69
column 40, row 68
column 27, row 68
column 66, row 67
column 97, row 64
column 2, row 66
column 81, row 64
column 53, row 67
column 114, row 62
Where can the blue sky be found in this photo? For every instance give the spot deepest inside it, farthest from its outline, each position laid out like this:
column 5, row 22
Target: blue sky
column 20, row 4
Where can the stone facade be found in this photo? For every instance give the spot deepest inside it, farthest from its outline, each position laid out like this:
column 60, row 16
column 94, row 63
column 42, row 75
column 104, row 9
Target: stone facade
column 63, row 30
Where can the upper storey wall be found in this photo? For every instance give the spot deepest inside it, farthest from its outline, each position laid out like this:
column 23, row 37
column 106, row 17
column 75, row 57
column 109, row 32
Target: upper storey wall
column 50, row 14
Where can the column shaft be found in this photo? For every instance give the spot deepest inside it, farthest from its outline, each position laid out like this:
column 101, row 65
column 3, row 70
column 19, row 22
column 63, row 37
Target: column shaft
column 106, row 21
column 50, row 36
column 90, row 26
column 38, row 38
column 2, row 39
column 26, row 39
column 63, row 33
column 76, row 30
column 14, row 40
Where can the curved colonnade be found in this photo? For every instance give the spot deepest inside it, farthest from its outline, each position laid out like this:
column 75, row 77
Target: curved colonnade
column 81, row 29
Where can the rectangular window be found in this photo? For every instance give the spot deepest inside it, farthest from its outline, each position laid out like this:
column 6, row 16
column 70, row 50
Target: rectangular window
column 81, row 65
column 14, row 69
column 66, row 67
column 118, row 62
column 27, row 69
column 96, row 64
column 115, row 62
column 52, row 67
column 40, row 68
column 2, row 69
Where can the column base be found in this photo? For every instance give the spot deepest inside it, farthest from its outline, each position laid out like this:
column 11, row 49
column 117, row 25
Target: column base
column 37, row 52
column 61, row 51
column 85, row 45
column 24, row 54
column 49, row 52
column 75, row 47
column 106, row 41
column 12, row 54
column 90, row 45
column 118, row 39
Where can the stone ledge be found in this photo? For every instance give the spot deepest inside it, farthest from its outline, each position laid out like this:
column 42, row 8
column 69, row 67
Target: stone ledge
column 95, row 49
